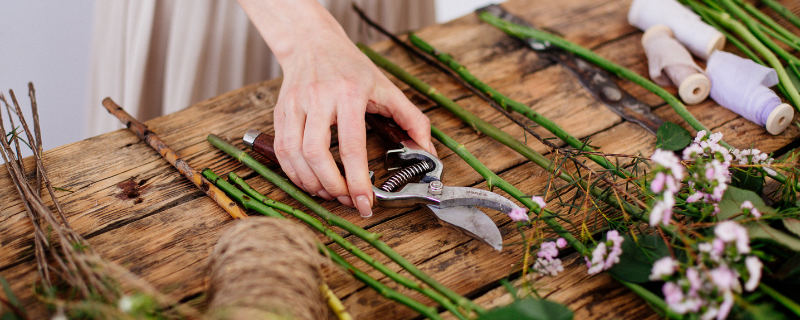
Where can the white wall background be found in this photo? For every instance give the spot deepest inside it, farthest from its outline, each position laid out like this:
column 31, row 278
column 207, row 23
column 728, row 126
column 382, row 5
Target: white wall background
column 48, row 42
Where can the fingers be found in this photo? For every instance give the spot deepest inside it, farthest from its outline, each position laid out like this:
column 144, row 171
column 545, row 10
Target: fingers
column 302, row 143
column 395, row 105
column 316, row 152
column 289, row 149
column 353, row 151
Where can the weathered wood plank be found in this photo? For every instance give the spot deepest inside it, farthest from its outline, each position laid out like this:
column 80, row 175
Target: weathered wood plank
column 165, row 233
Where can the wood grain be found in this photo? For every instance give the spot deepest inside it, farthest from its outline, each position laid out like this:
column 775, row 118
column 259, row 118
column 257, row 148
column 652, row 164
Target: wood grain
column 136, row 210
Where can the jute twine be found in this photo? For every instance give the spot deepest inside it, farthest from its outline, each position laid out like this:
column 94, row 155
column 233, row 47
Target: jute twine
column 266, row 268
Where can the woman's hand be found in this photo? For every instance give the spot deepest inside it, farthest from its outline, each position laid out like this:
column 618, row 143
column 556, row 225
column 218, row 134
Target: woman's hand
column 328, row 81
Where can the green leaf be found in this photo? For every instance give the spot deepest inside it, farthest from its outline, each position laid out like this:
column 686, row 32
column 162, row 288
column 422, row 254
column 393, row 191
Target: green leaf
column 732, row 200
column 672, row 137
column 10, row 294
column 763, row 231
column 792, row 225
column 790, row 268
column 744, row 179
column 529, row 309
column 5, row 313
column 636, row 261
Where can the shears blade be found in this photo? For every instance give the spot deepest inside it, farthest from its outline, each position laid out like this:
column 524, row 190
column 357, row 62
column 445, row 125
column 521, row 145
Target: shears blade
column 471, row 221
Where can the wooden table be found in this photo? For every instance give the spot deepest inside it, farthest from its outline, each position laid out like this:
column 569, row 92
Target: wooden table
column 137, row 210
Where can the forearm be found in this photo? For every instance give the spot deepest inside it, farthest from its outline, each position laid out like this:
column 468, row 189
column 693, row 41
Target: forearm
column 286, row 25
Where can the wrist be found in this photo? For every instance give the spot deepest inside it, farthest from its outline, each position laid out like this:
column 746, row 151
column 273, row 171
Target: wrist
column 290, row 26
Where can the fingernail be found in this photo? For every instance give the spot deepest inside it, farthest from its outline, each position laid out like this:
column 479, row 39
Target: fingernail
column 363, row 206
column 324, row 194
column 345, row 200
column 433, row 149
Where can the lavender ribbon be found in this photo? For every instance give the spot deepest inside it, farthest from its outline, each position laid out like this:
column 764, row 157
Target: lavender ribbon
column 742, row 86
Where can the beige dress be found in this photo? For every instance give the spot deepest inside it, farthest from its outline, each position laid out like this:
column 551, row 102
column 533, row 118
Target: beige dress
column 157, row 57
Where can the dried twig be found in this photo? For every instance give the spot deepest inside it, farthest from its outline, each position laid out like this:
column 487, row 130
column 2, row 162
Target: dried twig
column 76, row 264
column 173, row 158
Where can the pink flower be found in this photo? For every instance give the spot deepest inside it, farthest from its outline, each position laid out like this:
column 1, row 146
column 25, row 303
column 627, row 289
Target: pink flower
column 696, row 196
column 692, row 152
column 672, row 293
column 597, row 263
column 616, row 249
column 548, row 250
column 747, row 207
column 661, row 213
column 663, row 267
column 548, row 266
column 700, row 135
column 561, row 243
column 729, row 231
column 518, row 214
column 539, row 201
column 718, row 248
column 754, row 269
column 724, row 278
column 658, row 182
column 726, row 306
column 694, row 280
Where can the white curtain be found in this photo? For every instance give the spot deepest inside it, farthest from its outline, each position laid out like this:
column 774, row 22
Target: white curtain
column 157, row 57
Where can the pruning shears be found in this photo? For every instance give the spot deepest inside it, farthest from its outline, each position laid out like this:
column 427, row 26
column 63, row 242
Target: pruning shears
column 455, row 207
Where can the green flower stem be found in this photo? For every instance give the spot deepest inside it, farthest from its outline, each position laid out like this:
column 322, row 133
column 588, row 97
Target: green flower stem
column 347, row 245
column 484, row 127
column 525, row 32
column 332, row 219
column 785, row 301
column 680, row 109
column 753, row 40
column 783, row 11
column 757, row 31
column 731, row 39
column 520, row 108
column 387, row 292
column 782, row 38
column 254, row 203
column 495, row 181
column 239, row 196
column 504, row 138
column 651, row 298
column 794, row 40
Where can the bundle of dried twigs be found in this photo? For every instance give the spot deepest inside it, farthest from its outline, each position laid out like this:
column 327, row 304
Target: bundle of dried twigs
column 70, row 273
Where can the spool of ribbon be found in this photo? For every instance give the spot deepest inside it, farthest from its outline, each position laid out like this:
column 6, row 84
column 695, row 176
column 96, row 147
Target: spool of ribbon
column 671, row 64
column 742, row 86
column 700, row 38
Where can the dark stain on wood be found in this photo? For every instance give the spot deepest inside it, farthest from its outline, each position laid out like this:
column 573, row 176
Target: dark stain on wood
column 132, row 190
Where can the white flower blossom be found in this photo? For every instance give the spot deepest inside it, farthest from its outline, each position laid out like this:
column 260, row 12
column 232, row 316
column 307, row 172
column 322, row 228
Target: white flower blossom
column 125, row 304
column 748, row 207
column 754, row 266
column 548, row 267
column 548, row 262
column 597, row 263
column 663, row 267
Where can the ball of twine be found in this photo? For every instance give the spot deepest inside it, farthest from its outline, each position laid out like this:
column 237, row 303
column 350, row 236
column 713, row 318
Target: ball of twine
column 266, row 268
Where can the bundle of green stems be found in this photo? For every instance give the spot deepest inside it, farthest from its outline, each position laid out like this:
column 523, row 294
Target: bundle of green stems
column 458, row 305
